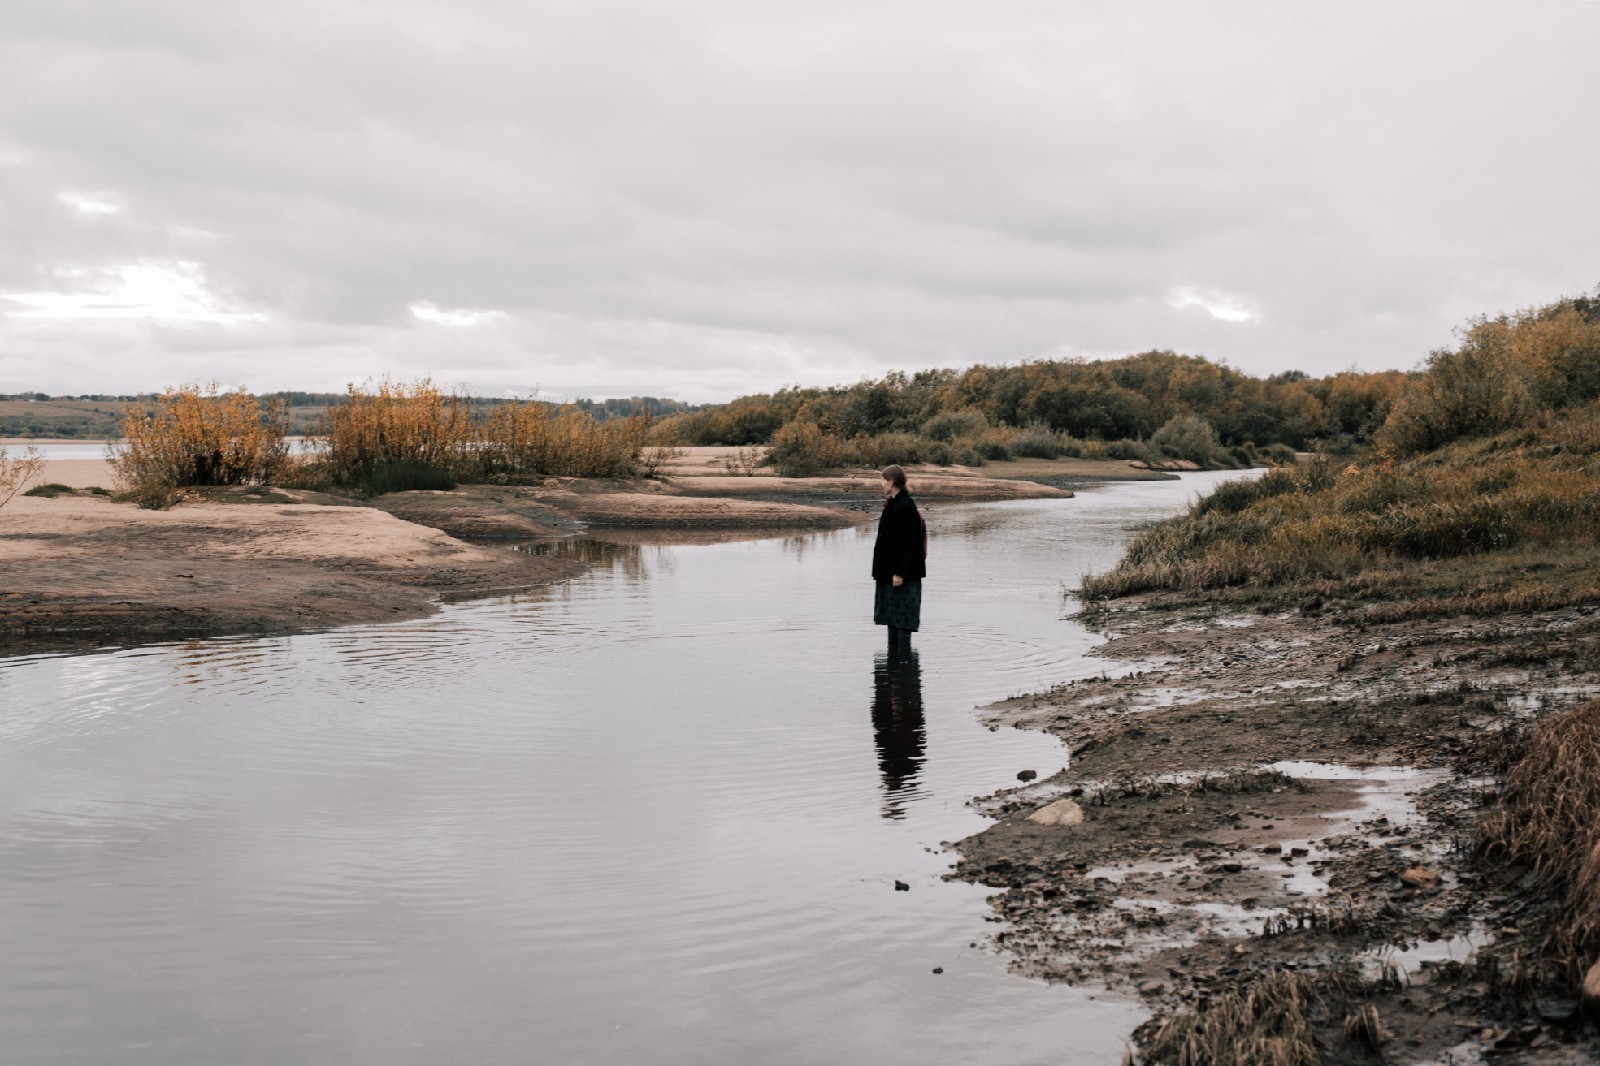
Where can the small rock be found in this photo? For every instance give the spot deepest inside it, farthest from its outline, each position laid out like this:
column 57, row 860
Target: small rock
column 1591, row 988
column 938, row 969
column 1421, row 877
column 1152, row 988
column 1027, row 775
column 1061, row 812
column 1299, row 853
column 901, row 886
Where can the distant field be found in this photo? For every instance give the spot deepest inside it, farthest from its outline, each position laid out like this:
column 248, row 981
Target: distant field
column 96, row 419
column 60, row 418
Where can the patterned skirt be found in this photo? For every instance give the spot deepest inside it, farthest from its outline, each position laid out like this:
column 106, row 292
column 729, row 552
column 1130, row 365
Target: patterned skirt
column 898, row 607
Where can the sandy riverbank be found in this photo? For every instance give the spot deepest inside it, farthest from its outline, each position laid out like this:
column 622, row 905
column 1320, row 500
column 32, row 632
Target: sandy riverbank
column 78, row 570
column 1196, row 870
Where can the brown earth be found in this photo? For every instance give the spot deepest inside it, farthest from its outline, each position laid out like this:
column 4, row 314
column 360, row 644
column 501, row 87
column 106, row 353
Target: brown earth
column 81, row 570
column 1184, row 881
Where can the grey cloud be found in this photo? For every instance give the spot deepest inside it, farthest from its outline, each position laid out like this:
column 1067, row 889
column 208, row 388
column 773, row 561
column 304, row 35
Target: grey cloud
column 706, row 199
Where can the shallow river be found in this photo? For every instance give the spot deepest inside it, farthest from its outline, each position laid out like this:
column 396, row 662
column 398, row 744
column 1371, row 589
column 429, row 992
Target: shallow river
column 653, row 815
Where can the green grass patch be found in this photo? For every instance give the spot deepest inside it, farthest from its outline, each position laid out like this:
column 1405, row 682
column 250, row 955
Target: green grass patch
column 50, row 490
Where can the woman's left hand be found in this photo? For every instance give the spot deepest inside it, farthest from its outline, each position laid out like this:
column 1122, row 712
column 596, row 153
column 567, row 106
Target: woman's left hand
column 898, row 581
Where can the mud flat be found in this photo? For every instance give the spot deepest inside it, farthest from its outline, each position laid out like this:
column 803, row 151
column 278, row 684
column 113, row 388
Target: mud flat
column 1289, row 793
column 78, row 571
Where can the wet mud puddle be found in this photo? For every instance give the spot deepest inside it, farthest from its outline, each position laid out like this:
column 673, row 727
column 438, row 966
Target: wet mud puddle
column 654, row 815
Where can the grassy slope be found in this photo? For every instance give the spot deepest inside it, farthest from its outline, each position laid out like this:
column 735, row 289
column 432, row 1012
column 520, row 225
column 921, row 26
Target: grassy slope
column 1501, row 523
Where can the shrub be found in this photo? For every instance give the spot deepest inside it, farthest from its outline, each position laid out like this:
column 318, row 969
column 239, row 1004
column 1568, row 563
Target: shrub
column 1279, row 455
column 197, row 436
column 395, row 425
column 1128, row 449
column 952, row 425
column 1188, row 437
column 15, row 473
column 886, row 448
column 532, row 439
column 993, row 448
column 800, row 449
column 1472, row 392
column 1035, row 441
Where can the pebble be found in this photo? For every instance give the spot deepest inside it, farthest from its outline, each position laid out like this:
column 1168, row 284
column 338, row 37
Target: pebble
column 901, row 886
column 1062, row 812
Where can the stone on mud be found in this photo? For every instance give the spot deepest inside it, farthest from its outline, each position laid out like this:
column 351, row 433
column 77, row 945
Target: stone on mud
column 1061, row 812
column 1421, row 877
column 1591, row 988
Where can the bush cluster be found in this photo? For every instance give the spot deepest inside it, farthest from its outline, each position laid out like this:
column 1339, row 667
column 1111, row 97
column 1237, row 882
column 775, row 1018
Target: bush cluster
column 199, row 436
column 390, row 437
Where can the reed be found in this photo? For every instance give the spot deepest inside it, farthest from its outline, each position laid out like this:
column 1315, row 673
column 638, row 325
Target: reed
column 194, row 436
column 1549, row 822
column 390, row 437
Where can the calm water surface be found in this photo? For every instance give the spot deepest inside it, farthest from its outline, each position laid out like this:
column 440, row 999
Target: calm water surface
column 654, row 815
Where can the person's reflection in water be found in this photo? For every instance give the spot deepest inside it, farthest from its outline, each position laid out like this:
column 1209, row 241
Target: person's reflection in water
column 897, row 725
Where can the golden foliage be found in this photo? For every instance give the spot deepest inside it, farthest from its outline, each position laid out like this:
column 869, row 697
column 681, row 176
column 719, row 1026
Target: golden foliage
column 199, row 436
column 15, row 473
column 530, row 438
column 392, row 425
column 395, row 423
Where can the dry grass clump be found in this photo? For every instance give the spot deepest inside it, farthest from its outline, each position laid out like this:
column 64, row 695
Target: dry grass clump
column 1266, row 1024
column 199, row 436
column 1534, row 486
column 394, row 425
column 530, row 438
column 394, row 436
column 1274, row 1021
column 1549, row 821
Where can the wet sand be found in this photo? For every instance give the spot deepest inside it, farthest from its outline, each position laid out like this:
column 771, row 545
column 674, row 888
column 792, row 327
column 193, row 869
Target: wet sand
column 77, row 571
column 1255, row 789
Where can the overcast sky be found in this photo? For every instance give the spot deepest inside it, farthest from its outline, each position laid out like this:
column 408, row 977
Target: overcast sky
column 703, row 199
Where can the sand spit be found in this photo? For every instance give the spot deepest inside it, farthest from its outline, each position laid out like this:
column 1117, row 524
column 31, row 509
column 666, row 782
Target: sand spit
column 80, row 571
column 1285, row 792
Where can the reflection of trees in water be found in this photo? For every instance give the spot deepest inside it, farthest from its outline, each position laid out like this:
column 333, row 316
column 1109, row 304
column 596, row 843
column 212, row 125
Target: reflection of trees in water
column 801, row 544
column 897, row 725
column 631, row 559
column 226, row 659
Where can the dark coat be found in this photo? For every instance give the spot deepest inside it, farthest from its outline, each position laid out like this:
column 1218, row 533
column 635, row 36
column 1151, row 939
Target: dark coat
column 899, row 549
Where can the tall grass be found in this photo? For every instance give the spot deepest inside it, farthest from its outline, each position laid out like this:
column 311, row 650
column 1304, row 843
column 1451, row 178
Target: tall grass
column 1549, row 821
column 199, row 436
column 1539, row 485
column 394, row 436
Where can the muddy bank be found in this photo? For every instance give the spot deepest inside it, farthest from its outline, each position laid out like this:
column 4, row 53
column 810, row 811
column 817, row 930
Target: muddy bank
column 79, row 571
column 1262, row 793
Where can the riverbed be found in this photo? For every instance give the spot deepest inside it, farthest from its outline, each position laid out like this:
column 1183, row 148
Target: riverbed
column 656, row 814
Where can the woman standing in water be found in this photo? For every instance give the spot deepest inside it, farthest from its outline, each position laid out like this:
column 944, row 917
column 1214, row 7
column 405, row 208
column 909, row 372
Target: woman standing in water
column 898, row 561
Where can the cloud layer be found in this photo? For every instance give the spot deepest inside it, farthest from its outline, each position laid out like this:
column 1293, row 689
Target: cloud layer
column 703, row 199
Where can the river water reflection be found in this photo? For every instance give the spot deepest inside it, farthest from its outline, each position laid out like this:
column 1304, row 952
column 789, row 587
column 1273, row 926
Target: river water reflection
column 653, row 815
